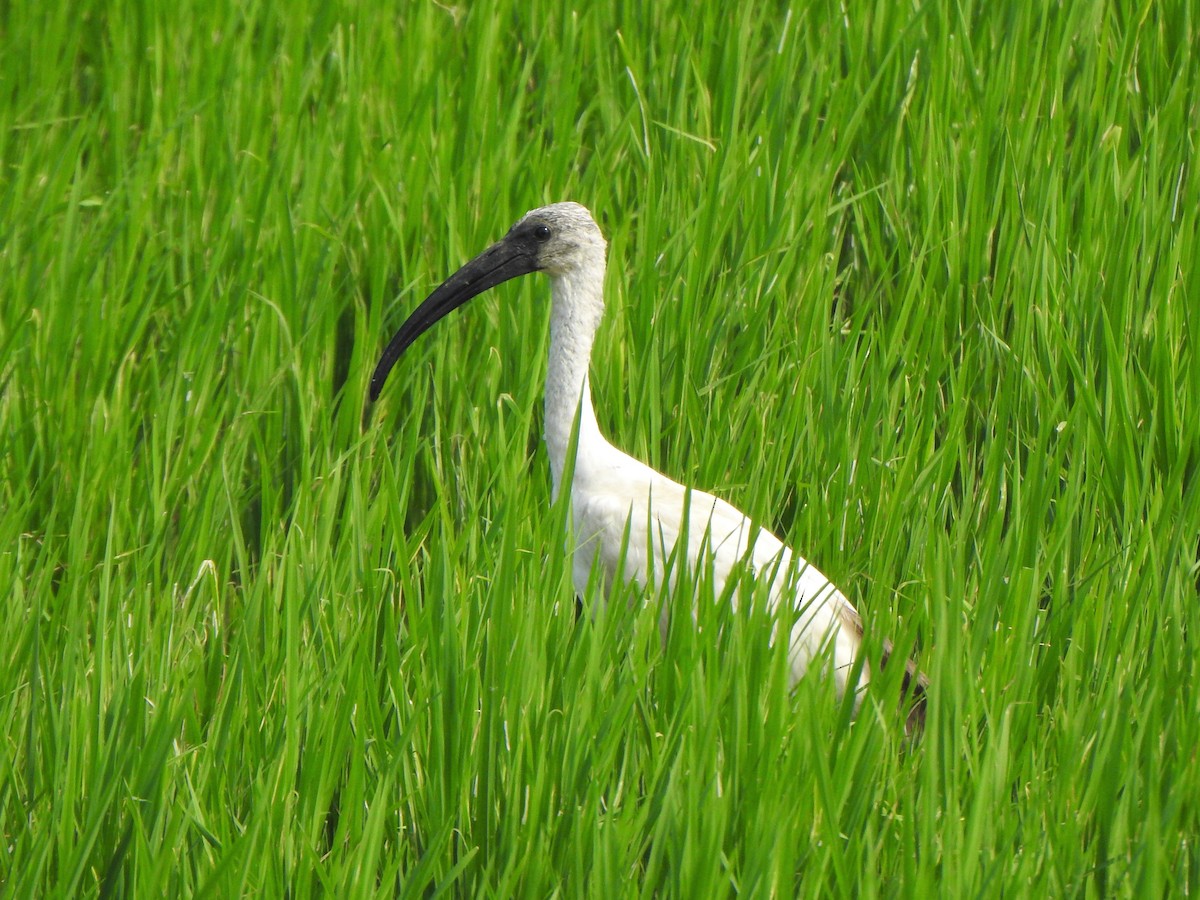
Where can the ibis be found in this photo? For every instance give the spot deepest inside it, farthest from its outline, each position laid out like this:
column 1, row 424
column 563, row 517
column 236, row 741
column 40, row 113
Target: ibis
column 628, row 518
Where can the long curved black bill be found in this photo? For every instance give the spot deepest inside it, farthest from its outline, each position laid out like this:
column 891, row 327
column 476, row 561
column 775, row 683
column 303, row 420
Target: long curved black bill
column 498, row 263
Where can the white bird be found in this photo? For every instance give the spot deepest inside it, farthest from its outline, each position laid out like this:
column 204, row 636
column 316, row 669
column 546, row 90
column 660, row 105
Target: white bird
column 627, row 517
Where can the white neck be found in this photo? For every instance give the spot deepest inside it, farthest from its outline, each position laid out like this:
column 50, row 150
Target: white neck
column 578, row 303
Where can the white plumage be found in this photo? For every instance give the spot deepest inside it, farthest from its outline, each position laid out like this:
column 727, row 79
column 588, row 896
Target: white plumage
column 611, row 492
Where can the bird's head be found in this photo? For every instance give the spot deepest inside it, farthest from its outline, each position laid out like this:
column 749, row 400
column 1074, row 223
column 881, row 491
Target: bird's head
column 559, row 239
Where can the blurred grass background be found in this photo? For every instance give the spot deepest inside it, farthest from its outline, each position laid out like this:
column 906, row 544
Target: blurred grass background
column 913, row 284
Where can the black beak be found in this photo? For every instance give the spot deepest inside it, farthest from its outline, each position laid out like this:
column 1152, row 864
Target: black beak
column 498, row 263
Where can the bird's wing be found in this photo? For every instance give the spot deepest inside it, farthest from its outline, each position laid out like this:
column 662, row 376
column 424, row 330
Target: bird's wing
column 630, row 519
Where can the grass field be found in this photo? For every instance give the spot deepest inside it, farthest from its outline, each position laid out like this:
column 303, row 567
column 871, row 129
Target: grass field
column 914, row 284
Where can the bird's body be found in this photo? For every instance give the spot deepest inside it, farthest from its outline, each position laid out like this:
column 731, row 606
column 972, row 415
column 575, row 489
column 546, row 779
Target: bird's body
column 626, row 516
column 629, row 518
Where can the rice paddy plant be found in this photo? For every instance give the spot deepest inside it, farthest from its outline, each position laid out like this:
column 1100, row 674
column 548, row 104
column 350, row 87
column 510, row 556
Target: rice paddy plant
column 912, row 284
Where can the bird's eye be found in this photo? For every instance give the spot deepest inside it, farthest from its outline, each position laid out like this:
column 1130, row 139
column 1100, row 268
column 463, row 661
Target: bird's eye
column 541, row 233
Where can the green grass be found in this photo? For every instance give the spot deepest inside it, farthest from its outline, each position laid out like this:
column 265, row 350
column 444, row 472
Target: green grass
column 914, row 284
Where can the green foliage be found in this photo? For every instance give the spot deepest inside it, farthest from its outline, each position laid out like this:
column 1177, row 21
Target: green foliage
column 913, row 284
